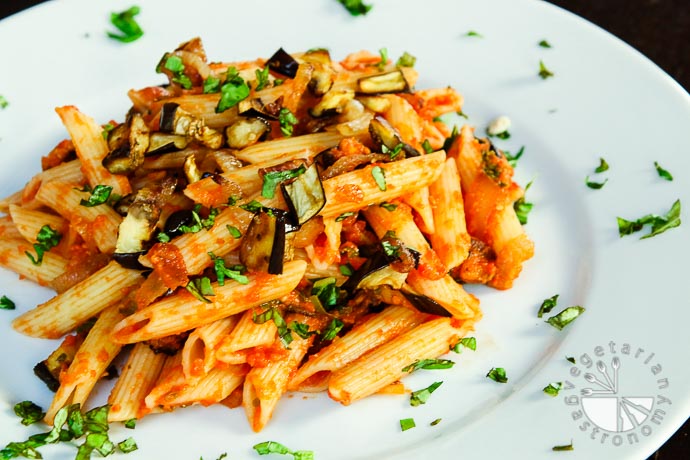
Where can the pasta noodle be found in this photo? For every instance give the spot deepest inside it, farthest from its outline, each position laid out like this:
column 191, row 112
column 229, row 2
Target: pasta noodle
column 304, row 231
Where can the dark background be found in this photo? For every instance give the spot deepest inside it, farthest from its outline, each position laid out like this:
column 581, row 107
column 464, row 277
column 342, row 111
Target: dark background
column 660, row 29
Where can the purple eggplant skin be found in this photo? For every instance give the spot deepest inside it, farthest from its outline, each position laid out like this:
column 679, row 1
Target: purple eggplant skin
column 426, row 304
column 167, row 120
column 281, row 62
column 130, row 260
column 263, row 244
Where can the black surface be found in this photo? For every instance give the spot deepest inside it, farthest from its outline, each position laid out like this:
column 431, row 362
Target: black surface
column 660, row 29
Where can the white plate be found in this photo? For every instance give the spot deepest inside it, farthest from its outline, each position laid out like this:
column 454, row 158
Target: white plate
column 605, row 100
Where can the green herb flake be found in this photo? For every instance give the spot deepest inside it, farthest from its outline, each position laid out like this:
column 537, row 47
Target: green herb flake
column 563, row 448
column 381, row 65
column 565, row 317
column 332, row 330
column 127, row 446
column 163, row 237
column 465, row 342
column 544, row 44
column 272, row 447
column 659, row 224
column 603, row 166
column 6, row 303
column 131, row 423
column 234, row 90
column 29, row 412
column 427, row 146
column 273, row 178
column 106, row 130
column 287, row 121
column 570, row 359
column 447, row 144
column 422, row 396
column 261, row 78
column 435, row 422
column 544, row 73
column 394, row 152
column 474, row 33
column 407, row 423
column 379, row 176
column 390, row 207
column 462, row 114
column 356, row 7
column 327, row 291
column 429, row 364
column 99, row 195
column 344, row 216
column 234, row 231
column 127, row 25
column 595, row 185
column 547, row 305
column 522, row 207
column 301, row 329
column 272, row 313
column 406, row 60
column 3, row 102
column 346, row 270
column 553, row 388
column 252, row 206
column 498, row 374
column 47, row 239
column 512, row 159
column 664, row 174
column 222, row 272
column 200, row 288
column 211, row 85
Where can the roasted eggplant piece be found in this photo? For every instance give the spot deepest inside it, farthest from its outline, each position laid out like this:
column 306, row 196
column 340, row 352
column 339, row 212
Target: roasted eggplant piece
column 332, row 103
column 59, row 360
column 160, row 143
column 263, row 244
column 387, row 139
column 191, row 170
column 423, row 303
column 323, row 74
column 390, row 82
column 128, row 144
column 377, row 104
column 304, row 195
column 374, row 272
column 246, row 131
column 281, row 62
column 177, row 220
column 175, row 120
column 140, row 222
column 255, row 108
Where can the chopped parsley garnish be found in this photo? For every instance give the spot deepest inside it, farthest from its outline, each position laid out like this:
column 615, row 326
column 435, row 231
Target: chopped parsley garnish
column 595, row 185
column 449, row 140
column 504, row 135
column 130, row 424
column 603, row 166
column 222, row 272
column 273, row 178
column 565, row 317
column 332, row 330
column 522, row 207
column 563, row 448
column 544, row 44
column 570, row 359
column 174, row 64
column 252, row 206
column 99, row 195
column 544, row 73
column 127, row 25
column 327, row 292
column 287, row 121
column 394, row 152
column 70, row 424
column 234, row 231
column 106, row 130
column 344, row 216
column 664, row 174
column 553, row 388
column 6, row 303
column 435, row 422
column 163, row 237
column 390, row 249
column 200, row 223
column 3, row 102
column 659, row 223
column 407, row 423
column 422, row 396
column 379, row 176
column 211, row 84
column 547, row 305
column 47, row 239
column 200, row 288
column 465, row 342
column 356, row 7
column 474, row 33
column 381, row 65
column 389, row 206
column 406, row 60
column 301, row 329
column 512, row 159
column 346, row 270
column 498, row 374
column 272, row 447
column 234, row 90
column 261, row 78
column 429, row 364
column 462, row 114
column 427, row 146
column 272, row 313
column 29, row 412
